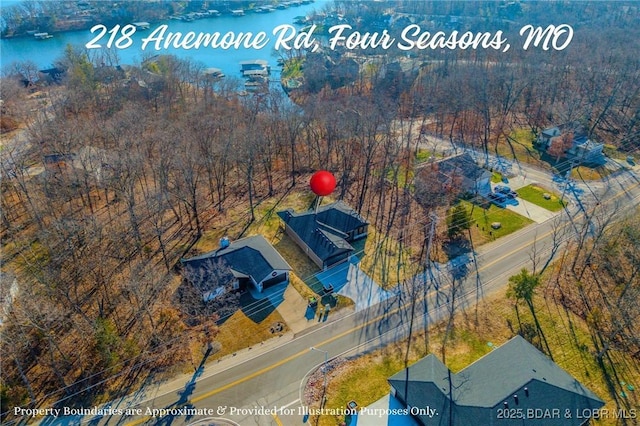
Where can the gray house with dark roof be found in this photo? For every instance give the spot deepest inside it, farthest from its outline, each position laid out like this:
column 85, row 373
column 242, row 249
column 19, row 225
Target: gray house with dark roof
column 582, row 150
column 251, row 260
column 325, row 235
column 462, row 172
column 515, row 384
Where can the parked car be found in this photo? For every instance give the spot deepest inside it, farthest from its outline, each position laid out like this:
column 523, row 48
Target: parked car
column 505, row 190
column 498, row 199
column 498, row 196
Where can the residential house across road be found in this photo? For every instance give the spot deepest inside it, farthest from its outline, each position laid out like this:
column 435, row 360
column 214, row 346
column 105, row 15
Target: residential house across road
column 515, row 384
column 580, row 148
column 459, row 174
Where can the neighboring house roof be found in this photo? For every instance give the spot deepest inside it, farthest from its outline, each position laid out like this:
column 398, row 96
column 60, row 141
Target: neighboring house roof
column 575, row 127
column 586, row 144
column 325, row 232
column 459, row 174
column 462, row 165
column 582, row 147
column 57, row 158
column 251, row 257
column 515, row 374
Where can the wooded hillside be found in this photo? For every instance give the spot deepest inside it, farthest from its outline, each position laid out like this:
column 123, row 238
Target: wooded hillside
column 117, row 172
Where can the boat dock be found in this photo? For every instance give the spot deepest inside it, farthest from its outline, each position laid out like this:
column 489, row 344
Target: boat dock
column 42, row 36
column 214, row 73
column 257, row 67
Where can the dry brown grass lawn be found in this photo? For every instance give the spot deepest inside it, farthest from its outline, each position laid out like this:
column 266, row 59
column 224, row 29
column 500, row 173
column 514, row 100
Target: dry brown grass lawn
column 239, row 332
column 295, row 257
column 519, row 146
column 381, row 258
column 267, row 222
column 589, row 173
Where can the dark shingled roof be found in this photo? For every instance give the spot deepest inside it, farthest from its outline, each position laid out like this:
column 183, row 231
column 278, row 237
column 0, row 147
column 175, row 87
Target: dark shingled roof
column 577, row 129
column 251, row 256
column 325, row 232
column 515, row 370
column 524, row 363
column 320, row 240
column 58, row 157
column 461, row 165
column 340, row 216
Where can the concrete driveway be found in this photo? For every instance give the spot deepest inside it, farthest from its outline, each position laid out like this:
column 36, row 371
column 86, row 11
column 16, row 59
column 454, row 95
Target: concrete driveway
column 293, row 309
column 532, row 211
column 350, row 281
column 525, row 208
column 289, row 304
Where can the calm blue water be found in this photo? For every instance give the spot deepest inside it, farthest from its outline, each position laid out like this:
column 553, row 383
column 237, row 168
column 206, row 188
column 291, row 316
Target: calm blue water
column 45, row 52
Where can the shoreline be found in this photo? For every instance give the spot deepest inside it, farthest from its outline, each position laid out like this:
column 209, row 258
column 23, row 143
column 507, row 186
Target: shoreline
column 89, row 21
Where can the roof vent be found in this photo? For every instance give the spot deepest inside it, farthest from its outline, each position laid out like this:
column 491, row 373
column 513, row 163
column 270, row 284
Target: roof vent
column 506, row 404
column 526, row 391
column 515, row 398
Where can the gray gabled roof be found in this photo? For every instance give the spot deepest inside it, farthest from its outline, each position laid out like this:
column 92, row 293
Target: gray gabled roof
column 575, row 127
column 509, row 367
column 324, row 243
column 514, row 370
column 428, row 369
column 340, row 216
column 324, row 231
column 461, row 165
column 252, row 256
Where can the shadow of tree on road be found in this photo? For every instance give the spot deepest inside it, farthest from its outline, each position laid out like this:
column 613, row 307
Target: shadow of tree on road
column 184, row 394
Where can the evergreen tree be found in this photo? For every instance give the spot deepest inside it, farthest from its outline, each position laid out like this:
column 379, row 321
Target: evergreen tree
column 458, row 221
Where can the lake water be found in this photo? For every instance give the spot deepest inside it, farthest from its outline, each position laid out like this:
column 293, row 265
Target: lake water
column 45, row 52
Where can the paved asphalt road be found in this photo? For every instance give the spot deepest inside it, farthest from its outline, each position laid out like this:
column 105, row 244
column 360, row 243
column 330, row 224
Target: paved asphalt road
column 270, row 378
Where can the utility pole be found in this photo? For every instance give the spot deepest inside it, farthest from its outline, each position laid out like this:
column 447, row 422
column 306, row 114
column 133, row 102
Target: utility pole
column 426, row 285
column 324, row 370
column 432, row 230
column 425, row 301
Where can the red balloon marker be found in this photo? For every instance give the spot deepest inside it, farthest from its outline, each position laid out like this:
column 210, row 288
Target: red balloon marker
column 322, row 183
